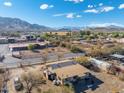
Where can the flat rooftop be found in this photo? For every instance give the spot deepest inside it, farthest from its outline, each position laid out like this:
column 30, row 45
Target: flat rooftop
column 24, row 44
column 69, row 69
column 117, row 56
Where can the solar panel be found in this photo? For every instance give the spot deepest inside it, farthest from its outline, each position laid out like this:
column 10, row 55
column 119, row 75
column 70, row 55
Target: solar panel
column 59, row 65
column 54, row 66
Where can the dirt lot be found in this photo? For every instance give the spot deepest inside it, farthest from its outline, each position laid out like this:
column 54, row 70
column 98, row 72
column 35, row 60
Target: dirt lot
column 0, row 81
column 39, row 53
column 38, row 69
column 110, row 84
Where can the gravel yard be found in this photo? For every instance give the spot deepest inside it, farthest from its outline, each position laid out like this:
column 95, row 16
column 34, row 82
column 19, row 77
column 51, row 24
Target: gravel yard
column 110, row 83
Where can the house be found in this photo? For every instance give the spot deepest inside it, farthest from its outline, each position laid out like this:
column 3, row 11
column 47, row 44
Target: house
column 11, row 40
column 60, row 33
column 3, row 40
column 120, row 40
column 28, row 37
column 67, row 71
column 6, row 40
column 118, row 57
column 24, row 46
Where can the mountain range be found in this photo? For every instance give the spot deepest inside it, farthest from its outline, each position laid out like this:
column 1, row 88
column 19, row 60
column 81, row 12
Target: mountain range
column 110, row 28
column 16, row 24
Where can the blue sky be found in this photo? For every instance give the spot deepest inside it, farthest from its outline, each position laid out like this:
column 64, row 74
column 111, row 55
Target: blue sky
column 57, row 13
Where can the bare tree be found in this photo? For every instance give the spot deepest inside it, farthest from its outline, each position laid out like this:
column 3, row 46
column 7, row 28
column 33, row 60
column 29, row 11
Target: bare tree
column 32, row 80
column 112, row 70
column 121, row 76
column 45, row 57
column 60, row 55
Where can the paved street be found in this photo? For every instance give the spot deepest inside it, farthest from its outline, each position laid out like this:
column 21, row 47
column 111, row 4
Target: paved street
column 11, row 62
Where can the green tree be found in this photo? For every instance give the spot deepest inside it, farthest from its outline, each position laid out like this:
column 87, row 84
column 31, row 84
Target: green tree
column 75, row 49
column 115, row 34
column 31, row 47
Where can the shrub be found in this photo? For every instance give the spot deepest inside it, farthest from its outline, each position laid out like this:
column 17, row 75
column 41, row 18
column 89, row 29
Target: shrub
column 63, row 45
column 31, row 47
column 83, row 60
column 75, row 49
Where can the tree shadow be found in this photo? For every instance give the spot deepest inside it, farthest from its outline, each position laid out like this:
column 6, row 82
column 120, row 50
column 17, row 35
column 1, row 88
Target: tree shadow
column 83, row 85
column 35, row 51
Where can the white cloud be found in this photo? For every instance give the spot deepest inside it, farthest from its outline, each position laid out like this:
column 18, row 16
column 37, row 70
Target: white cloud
column 62, row 14
column 90, row 6
column 91, row 11
column 100, row 4
column 51, row 6
column 107, row 9
column 78, row 16
column 46, row 6
column 121, row 6
column 8, row 4
column 70, row 15
column 75, row 1
column 100, row 10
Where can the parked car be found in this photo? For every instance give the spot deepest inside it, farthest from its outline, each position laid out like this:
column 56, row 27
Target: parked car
column 17, row 84
column 4, row 88
column 56, row 82
column 2, row 57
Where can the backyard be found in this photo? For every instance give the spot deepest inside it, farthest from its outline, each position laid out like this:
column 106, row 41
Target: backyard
column 104, row 83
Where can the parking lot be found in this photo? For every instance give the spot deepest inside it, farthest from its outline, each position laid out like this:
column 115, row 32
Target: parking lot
column 9, row 60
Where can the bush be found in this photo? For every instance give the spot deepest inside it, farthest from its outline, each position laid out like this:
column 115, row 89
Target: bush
column 31, row 47
column 75, row 49
column 83, row 61
column 63, row 45
column 2, row 70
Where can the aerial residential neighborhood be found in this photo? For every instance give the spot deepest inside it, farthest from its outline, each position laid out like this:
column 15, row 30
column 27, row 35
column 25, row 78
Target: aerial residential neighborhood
column 61, row 46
